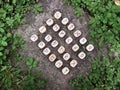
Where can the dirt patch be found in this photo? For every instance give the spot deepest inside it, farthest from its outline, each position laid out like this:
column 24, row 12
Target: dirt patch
column 56, row 80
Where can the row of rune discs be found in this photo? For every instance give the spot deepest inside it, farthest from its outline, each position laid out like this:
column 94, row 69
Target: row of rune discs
column 54, row 43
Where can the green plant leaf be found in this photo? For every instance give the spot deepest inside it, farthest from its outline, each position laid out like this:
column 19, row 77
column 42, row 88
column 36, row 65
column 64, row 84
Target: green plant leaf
column 14, row 1
column 4, row 43
column 9, row 21
column 37, row 8
column 1, row 54
column 31, row 63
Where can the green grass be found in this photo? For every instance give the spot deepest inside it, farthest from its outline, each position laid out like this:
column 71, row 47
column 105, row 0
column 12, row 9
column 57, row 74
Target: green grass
column 11, row 77
column 104, row 30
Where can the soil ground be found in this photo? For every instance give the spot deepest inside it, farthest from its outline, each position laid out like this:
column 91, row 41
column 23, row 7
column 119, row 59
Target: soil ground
column 56, row 80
